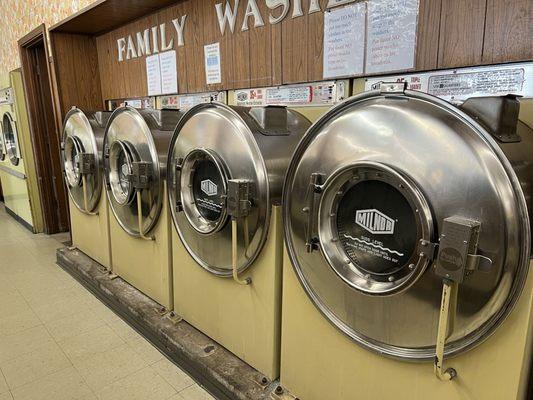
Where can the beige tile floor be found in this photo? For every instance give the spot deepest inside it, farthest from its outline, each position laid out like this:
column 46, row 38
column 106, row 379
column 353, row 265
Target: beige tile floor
column 58, row 342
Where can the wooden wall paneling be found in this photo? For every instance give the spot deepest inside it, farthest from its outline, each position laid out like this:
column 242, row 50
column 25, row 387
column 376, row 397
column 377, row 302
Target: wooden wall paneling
column 211, row 34
column 508, row 31
column 427, row 41
column 294, row 46
column 261, row 50
column 111, row 79
column 194, row 47
column 165, row 17
column 240, row 48
column 76, row 67
column 462, row 26
column 134, row 69
column 315, row 44
column 277, row 53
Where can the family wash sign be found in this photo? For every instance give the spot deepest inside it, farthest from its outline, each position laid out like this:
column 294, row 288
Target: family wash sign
column 154, row 40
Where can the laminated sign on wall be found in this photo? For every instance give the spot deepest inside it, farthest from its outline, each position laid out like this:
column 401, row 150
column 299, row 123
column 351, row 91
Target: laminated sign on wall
column 161, row 73
column 213, row 72
column 391, row 35
column 344, row 41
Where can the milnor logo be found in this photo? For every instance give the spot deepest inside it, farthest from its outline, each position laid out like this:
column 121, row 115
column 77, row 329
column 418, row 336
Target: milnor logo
column 208, row 187
column 374, row 221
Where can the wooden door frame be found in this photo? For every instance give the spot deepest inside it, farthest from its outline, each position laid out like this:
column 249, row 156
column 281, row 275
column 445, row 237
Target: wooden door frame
column 37, row 37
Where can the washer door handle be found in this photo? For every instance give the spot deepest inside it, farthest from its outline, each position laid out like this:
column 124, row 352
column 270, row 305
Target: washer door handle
column 177, row 184
column 314, row 191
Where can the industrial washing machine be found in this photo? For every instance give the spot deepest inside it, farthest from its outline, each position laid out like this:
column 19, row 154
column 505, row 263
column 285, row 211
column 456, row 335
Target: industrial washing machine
column 226, row 166
column 17, row 166
column 135, row 151
column 406, row 222
column 82, row 153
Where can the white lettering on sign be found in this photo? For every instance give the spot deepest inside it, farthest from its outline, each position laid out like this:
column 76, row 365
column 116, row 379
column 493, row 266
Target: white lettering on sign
column 179, row 24
column 143, row 43
column 374, row 221
column 165, row 46
column 154, row 39
column 252, row 11
column 297, row 9
column 272, row 5
column 151, row 40
column 229, row 16
column 130, row 50
column 121, row 44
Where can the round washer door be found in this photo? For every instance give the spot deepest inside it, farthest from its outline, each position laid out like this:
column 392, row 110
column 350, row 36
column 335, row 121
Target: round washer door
column 9, row 130
column 128, row 140
column 79, row 145
column 365, row 196
column 3, row 151
column 211, row 145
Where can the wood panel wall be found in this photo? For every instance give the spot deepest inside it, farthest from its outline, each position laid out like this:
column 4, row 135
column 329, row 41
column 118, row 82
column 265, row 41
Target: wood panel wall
column 451, row 33
column 77, row 72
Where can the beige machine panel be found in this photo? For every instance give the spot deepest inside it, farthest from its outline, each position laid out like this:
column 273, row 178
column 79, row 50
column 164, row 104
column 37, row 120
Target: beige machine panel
column 244, row 319
column 318, row 362
column 145, row 264
column 90, row 233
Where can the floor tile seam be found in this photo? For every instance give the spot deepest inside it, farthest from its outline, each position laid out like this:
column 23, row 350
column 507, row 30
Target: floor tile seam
column 36, row 380
column 127, row 376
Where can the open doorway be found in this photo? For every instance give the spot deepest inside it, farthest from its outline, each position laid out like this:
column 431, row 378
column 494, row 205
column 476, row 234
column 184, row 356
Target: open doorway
column 45, row 129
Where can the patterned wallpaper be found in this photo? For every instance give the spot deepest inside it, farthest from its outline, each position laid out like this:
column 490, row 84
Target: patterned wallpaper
column 18, row 17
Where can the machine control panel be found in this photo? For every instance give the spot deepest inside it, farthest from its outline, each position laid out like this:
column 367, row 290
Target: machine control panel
column 301, row 95
column 6, row 96
column 183, row 102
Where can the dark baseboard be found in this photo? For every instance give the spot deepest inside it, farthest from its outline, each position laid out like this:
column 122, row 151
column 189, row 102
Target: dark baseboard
column 19, row 220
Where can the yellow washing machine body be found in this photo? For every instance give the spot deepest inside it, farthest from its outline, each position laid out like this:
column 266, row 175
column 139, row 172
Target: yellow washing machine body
column 330, row 346
column 214, row 147
column 82, row 155
column 135, row 150
column 18, row 173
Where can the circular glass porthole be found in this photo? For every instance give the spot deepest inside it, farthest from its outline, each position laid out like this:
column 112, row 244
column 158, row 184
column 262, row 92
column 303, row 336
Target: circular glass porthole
column 73, row 148
column 203, row 190
column 2, row 143
column 10, row 137
column 374, row 224
column 121, row 157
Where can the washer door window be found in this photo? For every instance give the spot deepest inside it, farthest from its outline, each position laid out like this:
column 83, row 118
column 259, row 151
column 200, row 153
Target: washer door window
column 203, row 184
column 11, row 140
column 121, row 157
column 372, row 224
column 73, row 148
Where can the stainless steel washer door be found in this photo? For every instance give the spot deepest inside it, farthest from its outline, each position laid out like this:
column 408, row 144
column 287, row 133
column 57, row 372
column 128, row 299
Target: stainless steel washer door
column 368, row 188
column 212, row 144
column 128, row 139
column 79, row 139
column 9, row 129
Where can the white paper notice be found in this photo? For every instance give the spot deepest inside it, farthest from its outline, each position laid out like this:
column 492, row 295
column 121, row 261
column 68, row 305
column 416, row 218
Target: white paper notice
column 391, row 34
column 213, row 73
column 169, row 75
column 153, row 75
column 344, row 41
